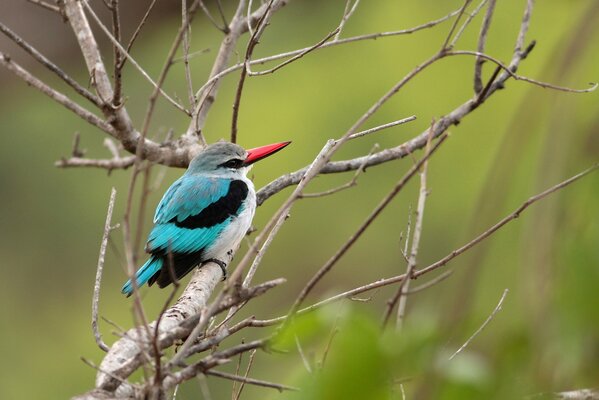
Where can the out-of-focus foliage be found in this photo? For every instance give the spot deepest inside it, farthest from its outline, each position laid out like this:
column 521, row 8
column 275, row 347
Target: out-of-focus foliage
column 522, row 141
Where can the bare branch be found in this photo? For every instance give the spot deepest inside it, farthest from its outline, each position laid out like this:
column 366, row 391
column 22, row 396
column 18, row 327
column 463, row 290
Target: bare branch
column 404, row 285
column 418, row 273
column 101, row 257
column 250, row 381
column 503, row 222
column 517, row 77
column 109, row 164
column 482, row 41
column 132, row 61
column 292, row 59
column 137, row 31
column 211, row 18
column 51, row 66
column 479, row 330
column 381, row 127
column 47, row 6
column 209, row 90
column 469, row 19
column 60, row 98
column 455, row 24
column 347, row 13
column 354, row 237
column 262, row 22
column 351, row 183
column 116, row 32
column 247, row 371
column 219, row 71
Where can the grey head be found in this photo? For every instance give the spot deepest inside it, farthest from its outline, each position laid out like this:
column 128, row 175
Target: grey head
column 221, row 158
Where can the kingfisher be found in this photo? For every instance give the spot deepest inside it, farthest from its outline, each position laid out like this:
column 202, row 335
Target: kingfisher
column 203, row 214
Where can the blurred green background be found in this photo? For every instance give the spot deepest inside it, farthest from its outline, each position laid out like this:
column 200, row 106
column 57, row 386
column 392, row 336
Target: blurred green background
column 523, row 140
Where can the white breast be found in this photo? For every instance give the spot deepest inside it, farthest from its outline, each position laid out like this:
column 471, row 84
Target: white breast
column 233, row 234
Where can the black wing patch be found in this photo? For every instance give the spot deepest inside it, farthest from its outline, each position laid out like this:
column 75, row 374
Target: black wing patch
column 182, row 264
column 218, row 211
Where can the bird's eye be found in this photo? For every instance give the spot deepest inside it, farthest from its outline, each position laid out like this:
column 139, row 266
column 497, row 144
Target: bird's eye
column 234, row 163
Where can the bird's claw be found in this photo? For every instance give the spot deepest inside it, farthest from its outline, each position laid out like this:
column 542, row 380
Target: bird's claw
column 222, row 265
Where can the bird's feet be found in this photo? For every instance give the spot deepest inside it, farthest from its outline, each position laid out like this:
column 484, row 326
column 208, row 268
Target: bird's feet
column 221, row 264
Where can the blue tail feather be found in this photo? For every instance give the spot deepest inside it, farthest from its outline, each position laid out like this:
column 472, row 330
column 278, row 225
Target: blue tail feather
column 143, row 275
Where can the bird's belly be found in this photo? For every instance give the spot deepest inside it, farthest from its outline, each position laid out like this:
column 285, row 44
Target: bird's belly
column 231, row 236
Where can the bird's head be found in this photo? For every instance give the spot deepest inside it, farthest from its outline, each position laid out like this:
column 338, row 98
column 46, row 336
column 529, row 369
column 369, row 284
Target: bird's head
column 229, row 159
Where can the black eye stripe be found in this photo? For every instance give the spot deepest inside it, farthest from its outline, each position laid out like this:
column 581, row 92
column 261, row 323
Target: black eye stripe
column 233, row 163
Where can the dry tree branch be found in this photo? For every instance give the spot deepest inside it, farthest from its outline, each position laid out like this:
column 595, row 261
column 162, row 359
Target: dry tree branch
column 291, row 59
column 236, row 28
column 157, row 85
column 55, row 95
column 455, row 24
column 96, row 297
column 503, row 222
column 262, row 23
column 47, row 6
column 353, row 182
column 347, row 13
column 211, row 18
column 250, row 381
column 370, row 36
column 404, row 285
column 190, row 318
column 186, row 44
column 442, row 262
column 462, row 29
column 480, row 328
column 117, row 71
column 482, row 41
column 355, row 236
column 137, row 32
column 247, row 371
column 39, row 57
column 381, row 127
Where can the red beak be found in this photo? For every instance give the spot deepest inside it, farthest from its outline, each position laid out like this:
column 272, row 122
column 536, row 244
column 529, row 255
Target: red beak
column 262, row 152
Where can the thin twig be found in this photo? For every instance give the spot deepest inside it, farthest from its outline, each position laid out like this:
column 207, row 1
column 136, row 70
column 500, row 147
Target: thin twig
column 131, row 59
column 186, row 44
column 418, row 273
column 45, row 5
column 254, row 39
column 250, row 381
column 469, row 19
column 302, row 355
column 381, row 127
column 455, row 24
column 430, row 283
column 55, row 95
column 482, row 41
column 247, row 371
column 404, row 285
column 137, row 31
column 116, row 32
column 371, row 36
column 211, row 18
column 479, row 330
column 355, row 236
column 208, row 92
column 347, row 13
column 50, row 65
column 100, row 268
column 292, row 59
column 517, row 77
column 353, row 182
column 503, row 222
